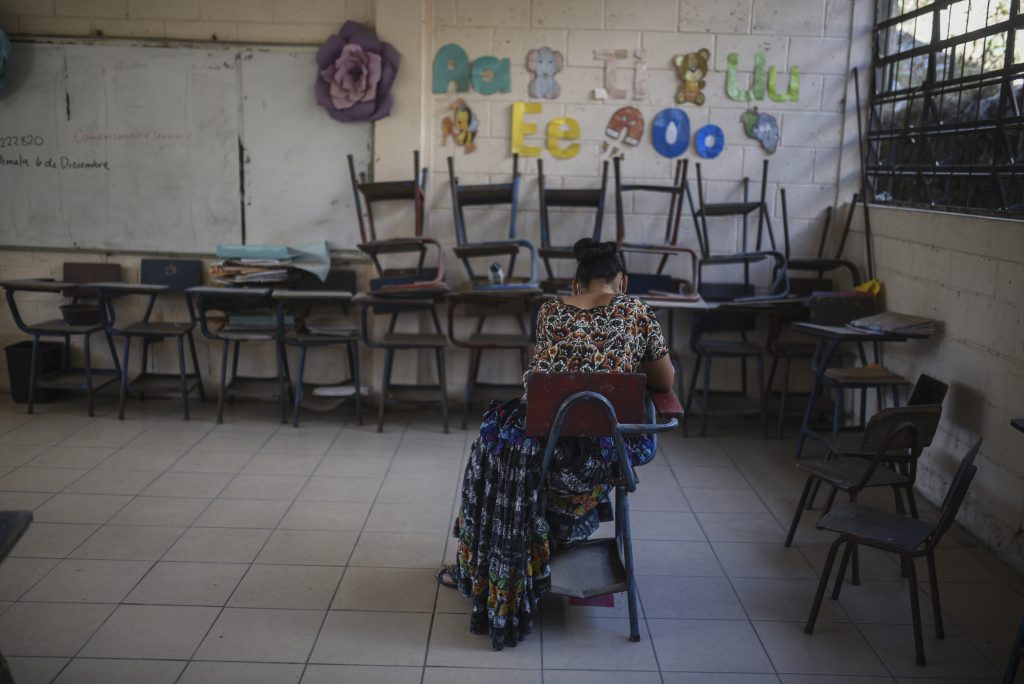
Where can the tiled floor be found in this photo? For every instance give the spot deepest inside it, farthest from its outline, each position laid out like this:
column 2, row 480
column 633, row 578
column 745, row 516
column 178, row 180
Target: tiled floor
column 170, row 551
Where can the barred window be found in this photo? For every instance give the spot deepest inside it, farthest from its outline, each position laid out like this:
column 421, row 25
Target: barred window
column 945, row 116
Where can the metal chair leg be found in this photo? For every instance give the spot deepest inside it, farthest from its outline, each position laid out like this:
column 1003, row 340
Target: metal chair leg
column 689, row 395
column 841, row 573
column 627, row 552
column 89, row 393
column 837, row 414
column 759, row 360
column 223, row 381
column 471, row 375
column 183, row 374
column 822, row 585
column 911, row 501
column 784, row 396
column 442, row 379
column 915, row 609
column 195, row 366
column 123, row 393
column 389, row 355
column 353, row 369
column 799, row 510
column 298, row 385
column 933, row 581
column 707, row 393
column 32, row 370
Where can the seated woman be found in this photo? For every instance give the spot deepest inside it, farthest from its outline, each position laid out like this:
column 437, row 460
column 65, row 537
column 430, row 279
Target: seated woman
column 504, row 542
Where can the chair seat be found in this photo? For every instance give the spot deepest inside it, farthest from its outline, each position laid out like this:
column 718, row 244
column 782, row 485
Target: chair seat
column 552, row 252
column 845, row 473
column 792, row 350
column 293, row 337
column 729, row 348
column 491, row 341
column 865, row 376
column 898, row 532
column 59, row 327
column 412, row 340
column 241, row 335
column 157, row 329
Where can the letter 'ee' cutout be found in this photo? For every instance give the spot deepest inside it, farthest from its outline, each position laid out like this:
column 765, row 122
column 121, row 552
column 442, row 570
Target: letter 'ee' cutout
column 706, row 149
column 670, row 132
column 563, row 128
column 521, row 129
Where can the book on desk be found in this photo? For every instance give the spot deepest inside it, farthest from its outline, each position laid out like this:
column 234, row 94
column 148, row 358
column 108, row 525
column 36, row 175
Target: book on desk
column 892, row 322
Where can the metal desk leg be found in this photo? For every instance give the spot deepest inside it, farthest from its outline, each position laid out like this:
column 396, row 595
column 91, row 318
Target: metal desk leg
column 822, row 355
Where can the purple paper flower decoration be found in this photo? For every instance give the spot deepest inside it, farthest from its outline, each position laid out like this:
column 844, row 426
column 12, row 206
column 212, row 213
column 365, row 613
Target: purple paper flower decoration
column 357, row 70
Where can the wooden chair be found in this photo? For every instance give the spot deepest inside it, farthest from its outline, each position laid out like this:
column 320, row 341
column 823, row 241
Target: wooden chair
column 597, row 405
column 893, row 436
column 910, row 538
column 579, row 198
column 88, row 379
column 158, row 279
column 491, row 194
column 314, row 308
column 393, row 341
column 374, row 193
column 231, row 316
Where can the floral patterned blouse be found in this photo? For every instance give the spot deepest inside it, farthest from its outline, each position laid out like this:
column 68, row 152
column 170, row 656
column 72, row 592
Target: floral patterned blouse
column 618, row 337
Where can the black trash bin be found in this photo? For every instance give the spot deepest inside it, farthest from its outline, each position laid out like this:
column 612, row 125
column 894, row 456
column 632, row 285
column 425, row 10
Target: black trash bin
column 19, row 361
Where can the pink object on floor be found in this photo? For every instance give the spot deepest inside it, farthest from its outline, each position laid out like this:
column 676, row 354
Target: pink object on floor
column 606, row 601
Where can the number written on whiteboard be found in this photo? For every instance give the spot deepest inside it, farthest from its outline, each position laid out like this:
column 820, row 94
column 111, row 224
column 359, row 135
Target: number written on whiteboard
column 21, row 141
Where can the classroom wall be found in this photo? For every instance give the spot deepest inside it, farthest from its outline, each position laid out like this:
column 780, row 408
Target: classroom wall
column 968, row 273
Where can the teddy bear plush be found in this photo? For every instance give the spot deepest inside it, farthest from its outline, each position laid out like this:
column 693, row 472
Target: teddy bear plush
column 691, row 69
column 544, row 63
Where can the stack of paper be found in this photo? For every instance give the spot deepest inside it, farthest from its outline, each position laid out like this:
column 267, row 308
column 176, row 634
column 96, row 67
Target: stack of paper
column 892, row 322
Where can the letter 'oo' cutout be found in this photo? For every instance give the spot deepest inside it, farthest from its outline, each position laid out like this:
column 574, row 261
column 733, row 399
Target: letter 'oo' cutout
column 700, row 141
column 670, row 132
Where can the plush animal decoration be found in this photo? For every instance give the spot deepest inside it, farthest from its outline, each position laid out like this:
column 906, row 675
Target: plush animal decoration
column 691, row 69
column 544, row 63
column 761, row 127
column 627, row 125
column 461, row 126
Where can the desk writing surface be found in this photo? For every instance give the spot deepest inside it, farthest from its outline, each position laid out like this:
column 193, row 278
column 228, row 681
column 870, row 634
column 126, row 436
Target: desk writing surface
column 842, row 332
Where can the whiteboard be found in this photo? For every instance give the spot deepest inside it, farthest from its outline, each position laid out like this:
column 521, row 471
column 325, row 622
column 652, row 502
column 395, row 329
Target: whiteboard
column 171, row 149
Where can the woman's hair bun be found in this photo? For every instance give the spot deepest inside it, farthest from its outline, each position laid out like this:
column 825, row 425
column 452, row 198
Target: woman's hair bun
column 589, row 249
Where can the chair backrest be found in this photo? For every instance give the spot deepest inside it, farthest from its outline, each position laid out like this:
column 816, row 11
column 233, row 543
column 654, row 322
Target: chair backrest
column 928, row 390
column 74, row 272
column 363, row 187
column 545, row 393
column 177, row 274
column 700, row 214
column 676, row 193
column 841, row 309
column 483, row 195
column 566, row 197
column 718, row 322
column 880, row 427
column 955, row 495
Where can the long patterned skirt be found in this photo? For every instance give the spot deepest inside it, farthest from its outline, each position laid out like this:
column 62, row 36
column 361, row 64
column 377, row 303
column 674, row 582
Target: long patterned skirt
column 505, row 543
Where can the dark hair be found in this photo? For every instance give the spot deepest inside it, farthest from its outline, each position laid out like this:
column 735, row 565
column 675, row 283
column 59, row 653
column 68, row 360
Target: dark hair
column 597, row 260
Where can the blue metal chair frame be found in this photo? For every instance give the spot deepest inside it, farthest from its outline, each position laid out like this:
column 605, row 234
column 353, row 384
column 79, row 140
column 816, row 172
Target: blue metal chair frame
column 625, row 486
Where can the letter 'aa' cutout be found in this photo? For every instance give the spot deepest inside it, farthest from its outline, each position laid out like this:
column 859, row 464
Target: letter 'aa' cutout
column 670, row 132
column 521, row 129
column 709, row 149
column 500, row 80
column 563, row 128
column 451, row 64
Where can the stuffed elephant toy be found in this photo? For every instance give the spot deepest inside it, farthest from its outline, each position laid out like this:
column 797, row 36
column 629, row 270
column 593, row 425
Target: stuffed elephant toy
column 544, row 63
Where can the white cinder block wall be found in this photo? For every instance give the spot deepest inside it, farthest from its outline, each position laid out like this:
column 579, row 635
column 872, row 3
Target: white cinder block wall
column 968, row 273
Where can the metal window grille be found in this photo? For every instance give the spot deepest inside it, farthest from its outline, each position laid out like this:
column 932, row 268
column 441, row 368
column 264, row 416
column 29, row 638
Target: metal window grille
column 945, row 124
